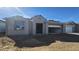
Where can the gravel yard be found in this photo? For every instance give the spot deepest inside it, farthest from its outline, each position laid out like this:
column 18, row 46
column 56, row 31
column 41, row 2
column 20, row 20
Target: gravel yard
column 53, row 42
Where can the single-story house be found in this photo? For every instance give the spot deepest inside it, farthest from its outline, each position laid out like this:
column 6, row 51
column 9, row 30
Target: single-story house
column 18, row 25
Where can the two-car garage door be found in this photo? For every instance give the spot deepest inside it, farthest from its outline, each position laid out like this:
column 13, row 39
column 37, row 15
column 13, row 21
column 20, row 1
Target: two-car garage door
column 69, row 29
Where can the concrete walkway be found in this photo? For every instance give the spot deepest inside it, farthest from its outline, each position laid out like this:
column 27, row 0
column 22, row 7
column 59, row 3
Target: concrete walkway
column 73, row 33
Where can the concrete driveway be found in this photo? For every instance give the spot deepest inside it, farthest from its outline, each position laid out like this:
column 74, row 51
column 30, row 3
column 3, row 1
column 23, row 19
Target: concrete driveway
column 73, row 33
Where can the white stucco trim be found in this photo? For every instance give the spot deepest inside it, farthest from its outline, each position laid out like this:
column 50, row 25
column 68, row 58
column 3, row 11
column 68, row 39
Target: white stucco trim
column 54, row 26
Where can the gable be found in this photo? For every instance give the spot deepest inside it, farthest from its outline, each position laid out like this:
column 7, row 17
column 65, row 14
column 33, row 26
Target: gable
column 38, row 18
column 20, row 18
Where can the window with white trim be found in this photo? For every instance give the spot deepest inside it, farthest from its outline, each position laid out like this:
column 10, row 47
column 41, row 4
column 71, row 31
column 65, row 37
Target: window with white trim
column 19, row 25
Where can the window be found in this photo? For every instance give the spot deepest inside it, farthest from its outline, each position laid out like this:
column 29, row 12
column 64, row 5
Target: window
column 19, row 25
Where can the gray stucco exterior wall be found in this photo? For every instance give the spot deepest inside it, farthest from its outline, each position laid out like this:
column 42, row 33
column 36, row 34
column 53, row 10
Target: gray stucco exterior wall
column 10, row 24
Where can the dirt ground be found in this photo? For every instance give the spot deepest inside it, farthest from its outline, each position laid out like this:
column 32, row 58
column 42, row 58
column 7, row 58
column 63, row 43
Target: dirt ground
column 53, row 42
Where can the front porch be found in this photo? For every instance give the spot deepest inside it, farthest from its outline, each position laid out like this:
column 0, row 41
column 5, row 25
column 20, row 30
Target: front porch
column 54, row 29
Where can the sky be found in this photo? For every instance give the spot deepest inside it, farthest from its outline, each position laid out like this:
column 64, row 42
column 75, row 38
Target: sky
column 62, row 14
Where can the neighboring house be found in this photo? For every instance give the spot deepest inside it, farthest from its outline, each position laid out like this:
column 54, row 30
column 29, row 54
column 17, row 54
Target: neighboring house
column 69, row 27
column 2, row 26
column 77, row 27
column 54, row 27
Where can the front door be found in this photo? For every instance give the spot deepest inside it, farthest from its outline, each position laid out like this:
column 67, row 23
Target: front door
column 39, row 28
